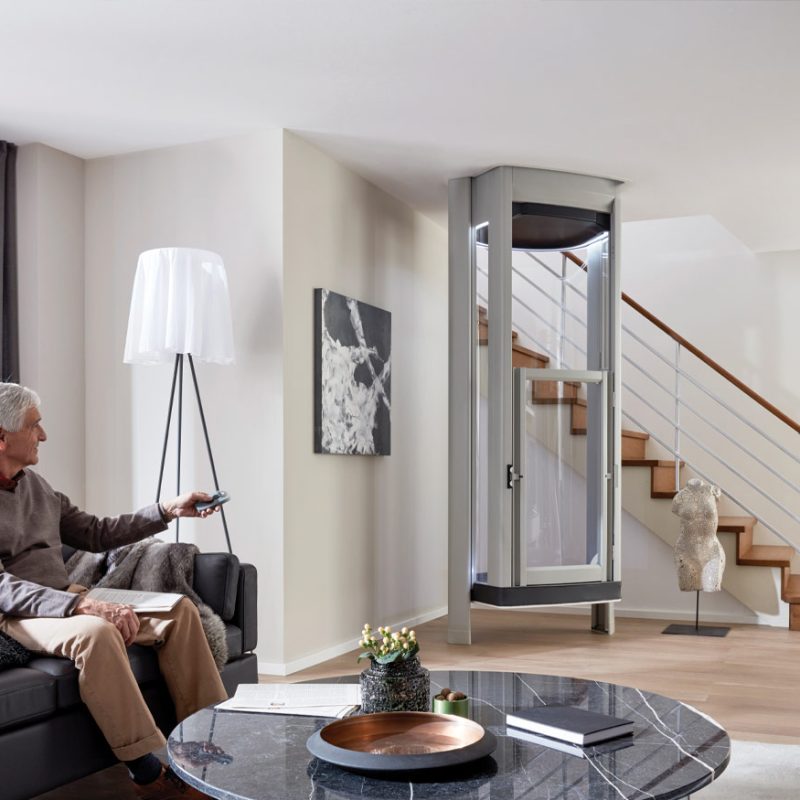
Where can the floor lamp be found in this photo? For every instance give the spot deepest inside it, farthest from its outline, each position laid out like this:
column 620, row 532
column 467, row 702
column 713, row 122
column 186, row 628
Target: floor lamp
column 180, row 307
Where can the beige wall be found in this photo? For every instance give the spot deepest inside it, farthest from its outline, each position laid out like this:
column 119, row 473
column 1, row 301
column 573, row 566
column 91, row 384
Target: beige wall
column 365, row 536
column 223, row 196
column 337, row 540
column 51, row 302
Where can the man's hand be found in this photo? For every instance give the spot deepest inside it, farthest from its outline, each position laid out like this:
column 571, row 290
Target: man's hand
column 122, row 617
column 183, row 506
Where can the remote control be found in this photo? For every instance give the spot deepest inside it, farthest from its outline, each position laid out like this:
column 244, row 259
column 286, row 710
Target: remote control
column 217, row 499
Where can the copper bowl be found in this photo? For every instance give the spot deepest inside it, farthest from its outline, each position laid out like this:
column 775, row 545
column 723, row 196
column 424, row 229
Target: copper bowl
column 399, row 741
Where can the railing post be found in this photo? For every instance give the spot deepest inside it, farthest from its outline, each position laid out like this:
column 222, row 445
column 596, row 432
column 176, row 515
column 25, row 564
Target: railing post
column 677, row 416
column 563, row 311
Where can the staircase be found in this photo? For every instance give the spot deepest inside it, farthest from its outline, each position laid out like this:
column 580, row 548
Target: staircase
column 663, row 472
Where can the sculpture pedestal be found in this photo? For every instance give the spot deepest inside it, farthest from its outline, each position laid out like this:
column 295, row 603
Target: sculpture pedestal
column 696, row 629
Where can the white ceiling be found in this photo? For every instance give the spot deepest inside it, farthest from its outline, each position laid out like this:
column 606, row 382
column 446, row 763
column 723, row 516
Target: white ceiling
column 694, row 104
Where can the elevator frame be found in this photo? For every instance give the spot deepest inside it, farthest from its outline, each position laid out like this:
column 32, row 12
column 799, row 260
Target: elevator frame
column 472, row 203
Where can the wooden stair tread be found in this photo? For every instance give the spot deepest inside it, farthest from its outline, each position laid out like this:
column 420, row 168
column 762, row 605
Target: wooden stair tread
column 635, row 434
column 767, row 555
column 648, row 462
column 554, row 401
column 735, row 524
column 791, row 592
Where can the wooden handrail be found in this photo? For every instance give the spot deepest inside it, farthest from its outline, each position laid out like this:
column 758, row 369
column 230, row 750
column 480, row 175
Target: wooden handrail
column 707, row 360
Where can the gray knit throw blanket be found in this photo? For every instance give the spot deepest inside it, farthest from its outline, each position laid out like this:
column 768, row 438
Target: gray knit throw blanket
column 154, row 566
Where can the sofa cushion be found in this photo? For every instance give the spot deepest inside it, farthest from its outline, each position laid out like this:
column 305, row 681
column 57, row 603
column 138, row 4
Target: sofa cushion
column 144, row 663
column 12, row 653
column 25, row 695
column 233, row 636
column 216, row 579
column 63, row 672
column 245, row 616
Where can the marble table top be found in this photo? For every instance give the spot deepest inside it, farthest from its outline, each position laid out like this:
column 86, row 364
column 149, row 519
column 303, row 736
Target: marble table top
column 675, row 750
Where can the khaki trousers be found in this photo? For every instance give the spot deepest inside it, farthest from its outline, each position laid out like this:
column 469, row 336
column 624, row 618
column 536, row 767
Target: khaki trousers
column 107, row 685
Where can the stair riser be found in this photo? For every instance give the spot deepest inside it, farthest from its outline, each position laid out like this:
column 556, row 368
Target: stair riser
column 663, row 481
column 633, row 447
column 483, row 331
column 578, row 419
column 553, row 390
column 525, row 361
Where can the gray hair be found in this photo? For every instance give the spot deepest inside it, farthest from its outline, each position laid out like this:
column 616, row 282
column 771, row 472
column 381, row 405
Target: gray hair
column 15, row 401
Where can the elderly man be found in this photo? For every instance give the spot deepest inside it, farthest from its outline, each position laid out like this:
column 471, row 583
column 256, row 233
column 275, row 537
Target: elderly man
column 42, row 610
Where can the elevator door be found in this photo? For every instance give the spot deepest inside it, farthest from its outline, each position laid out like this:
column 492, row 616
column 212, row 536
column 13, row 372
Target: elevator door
column 560, row 488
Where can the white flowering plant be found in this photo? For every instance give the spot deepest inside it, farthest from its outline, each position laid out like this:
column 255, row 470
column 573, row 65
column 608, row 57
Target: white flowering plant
column 386, row 646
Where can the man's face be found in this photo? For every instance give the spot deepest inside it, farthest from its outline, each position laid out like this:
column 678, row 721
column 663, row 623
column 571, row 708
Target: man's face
column 21, row 448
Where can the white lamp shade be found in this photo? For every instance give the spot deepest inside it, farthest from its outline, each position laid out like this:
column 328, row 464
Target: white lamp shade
column 179, row 304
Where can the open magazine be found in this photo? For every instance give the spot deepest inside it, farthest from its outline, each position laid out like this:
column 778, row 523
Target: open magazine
column 306, row 699
column 140, row 600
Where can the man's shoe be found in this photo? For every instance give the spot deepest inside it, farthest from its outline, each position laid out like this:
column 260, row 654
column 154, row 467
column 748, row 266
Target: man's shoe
column 168, row 786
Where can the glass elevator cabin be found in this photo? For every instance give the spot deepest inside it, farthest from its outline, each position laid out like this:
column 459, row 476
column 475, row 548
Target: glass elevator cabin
column 534, row 446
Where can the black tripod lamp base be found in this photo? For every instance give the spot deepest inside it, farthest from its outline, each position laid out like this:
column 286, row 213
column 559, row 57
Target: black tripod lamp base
column 693, row 630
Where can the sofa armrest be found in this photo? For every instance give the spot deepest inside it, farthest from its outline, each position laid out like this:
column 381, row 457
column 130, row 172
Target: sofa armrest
column 246, row 615
column 216, row 580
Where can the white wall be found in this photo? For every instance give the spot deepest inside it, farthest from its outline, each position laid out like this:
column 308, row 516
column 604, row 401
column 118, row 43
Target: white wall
column 365, row 535
column 51, row 303
column 705, row 283
column 334, row 538
column 223, row 196
column 337, row 540
column 740, row 309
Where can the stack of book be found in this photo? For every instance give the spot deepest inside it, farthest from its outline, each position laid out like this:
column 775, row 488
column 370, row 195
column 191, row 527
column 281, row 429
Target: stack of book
column 569, row 729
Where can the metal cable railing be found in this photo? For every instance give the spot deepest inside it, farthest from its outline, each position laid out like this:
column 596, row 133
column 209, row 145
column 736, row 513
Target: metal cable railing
column 678, row 402
column 711, row 395
column 794, row 487
column 705, row 477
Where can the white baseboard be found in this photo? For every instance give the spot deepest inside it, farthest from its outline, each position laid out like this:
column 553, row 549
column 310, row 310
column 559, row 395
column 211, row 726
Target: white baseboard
column 290, row 667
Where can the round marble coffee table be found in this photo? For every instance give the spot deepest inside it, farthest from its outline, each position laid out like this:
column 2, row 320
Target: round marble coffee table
column 675, row 750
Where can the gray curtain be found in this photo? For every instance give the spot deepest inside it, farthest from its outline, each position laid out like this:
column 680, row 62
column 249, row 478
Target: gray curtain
column 9, row 330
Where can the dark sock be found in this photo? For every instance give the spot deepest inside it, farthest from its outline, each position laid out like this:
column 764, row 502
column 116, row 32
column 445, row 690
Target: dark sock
column 144, row 769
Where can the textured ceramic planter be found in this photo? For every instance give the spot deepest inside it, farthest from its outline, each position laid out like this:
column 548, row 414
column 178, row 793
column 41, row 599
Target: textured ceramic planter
column 400, row 686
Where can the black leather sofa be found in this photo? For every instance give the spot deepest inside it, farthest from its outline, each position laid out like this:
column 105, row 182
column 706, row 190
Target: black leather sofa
column 48, row 738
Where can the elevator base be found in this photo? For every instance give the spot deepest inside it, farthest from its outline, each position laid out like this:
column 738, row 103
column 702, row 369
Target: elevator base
column 546, row 595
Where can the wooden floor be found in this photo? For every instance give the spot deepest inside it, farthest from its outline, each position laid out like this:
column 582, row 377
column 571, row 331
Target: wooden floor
column 747, row 681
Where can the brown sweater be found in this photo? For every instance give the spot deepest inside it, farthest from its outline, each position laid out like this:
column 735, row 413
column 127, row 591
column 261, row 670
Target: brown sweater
column 34, row 522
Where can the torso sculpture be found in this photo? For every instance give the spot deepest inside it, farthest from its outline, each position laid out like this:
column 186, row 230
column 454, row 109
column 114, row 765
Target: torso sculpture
column 699, row 556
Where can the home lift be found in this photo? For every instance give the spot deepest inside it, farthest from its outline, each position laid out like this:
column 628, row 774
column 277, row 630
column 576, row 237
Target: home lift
column 534, row 512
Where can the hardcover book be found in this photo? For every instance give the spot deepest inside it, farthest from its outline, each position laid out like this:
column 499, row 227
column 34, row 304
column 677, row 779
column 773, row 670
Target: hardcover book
column 570, row 724
column 590, row 751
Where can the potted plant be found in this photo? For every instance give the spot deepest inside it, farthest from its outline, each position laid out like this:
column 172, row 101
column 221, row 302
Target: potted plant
column 394, row 680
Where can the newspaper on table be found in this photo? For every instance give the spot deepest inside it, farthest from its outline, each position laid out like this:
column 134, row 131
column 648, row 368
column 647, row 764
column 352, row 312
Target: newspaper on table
column 305, row 699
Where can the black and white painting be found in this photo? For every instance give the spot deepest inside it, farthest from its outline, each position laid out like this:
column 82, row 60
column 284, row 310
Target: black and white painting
column 352, row 376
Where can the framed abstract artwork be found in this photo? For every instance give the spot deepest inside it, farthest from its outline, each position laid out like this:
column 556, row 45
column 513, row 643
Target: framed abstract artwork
column 352, row 376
